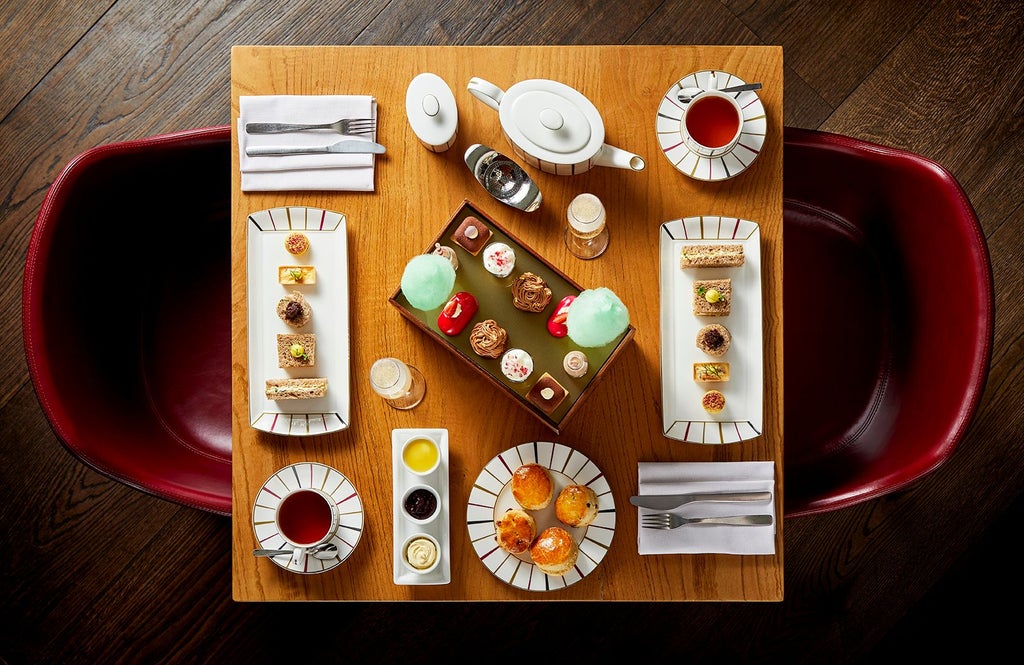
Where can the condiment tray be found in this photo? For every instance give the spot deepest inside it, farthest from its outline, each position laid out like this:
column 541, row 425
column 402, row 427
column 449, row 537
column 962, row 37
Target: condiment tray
column 404, row 526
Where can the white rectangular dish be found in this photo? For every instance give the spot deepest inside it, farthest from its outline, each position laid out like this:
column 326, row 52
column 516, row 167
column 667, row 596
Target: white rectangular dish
column 328, row 298
column 683, row 416
column 439, row 528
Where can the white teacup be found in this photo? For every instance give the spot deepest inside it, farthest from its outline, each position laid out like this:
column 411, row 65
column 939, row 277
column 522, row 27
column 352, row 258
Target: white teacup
column 712, row 124
column 307, row 517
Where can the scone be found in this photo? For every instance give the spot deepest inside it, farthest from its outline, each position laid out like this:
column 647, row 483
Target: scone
column 515, row 531
column 554, row 551
column 532, row 487
column 576, row 505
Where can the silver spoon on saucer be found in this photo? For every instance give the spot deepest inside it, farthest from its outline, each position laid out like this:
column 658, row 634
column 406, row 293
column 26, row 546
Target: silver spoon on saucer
column 686, row 95
column 322, row 552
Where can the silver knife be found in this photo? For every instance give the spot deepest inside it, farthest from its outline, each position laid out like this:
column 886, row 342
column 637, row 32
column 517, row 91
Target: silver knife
column 670, row 501
column 340, row 146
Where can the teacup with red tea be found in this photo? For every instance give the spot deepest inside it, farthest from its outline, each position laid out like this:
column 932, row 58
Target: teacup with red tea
column 712, row 123
column 307, row 517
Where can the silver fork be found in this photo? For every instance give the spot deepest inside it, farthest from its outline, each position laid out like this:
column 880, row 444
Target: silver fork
column 672, row 521
column 343, row 126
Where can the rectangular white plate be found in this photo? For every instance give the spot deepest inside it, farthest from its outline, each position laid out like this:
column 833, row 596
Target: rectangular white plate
column 328, row 297
column 440, row 528
column 682, row 414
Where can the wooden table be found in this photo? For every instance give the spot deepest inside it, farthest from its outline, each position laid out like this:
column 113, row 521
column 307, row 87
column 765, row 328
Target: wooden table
column 416, row 192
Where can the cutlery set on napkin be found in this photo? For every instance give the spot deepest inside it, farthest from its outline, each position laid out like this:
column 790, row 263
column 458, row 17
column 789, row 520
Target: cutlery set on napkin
column 738, row 498
column 279, row 150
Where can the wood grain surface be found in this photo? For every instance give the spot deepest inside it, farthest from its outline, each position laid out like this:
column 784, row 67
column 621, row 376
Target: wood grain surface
column 417, row 192
column 93, row 571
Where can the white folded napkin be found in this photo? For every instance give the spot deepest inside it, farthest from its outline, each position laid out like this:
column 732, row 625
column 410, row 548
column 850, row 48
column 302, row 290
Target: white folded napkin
column 346, row 171
column 691, row 477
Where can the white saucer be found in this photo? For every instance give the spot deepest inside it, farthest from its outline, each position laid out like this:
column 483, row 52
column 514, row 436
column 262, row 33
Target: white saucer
column 668, row 127
column 320, row 476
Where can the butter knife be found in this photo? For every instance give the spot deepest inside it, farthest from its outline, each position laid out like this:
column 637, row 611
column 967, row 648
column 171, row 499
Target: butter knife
column 670, row 501
column 340, row 146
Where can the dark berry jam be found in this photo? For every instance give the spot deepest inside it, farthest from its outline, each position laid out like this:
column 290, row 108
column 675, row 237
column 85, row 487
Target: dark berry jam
column 420, row 504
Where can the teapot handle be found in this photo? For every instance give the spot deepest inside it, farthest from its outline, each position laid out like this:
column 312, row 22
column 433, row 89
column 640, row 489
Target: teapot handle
column 486, row 92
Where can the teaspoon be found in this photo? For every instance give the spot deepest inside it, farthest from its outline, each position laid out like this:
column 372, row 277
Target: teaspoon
column 686, row 95
column 323, row 552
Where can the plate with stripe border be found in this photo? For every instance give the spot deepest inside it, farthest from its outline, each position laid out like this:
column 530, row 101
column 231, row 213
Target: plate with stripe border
column 491, row 496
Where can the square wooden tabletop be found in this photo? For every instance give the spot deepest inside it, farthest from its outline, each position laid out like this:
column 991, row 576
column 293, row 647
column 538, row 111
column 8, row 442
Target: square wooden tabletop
column 416, row 192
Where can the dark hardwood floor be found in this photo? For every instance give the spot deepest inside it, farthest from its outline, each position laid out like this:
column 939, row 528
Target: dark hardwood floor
column 94, row 572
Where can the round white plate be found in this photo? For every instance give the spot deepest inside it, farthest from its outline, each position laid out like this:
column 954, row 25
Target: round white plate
column 492, row 495
column 320, row 476
column 668, row 126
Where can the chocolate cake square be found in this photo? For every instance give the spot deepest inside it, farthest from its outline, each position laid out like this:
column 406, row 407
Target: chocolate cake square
column 472, row 235
column 547, row 393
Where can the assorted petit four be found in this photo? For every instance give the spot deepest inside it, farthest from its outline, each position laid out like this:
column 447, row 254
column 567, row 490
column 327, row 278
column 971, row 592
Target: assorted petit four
column 713, row 401
column 488, row 339
column 714, row 339
column 294, row 310
column 556, row 322
column 296, row 275
column 472, row 235
column 576, row 505
column 530, row 293
column 575, row 364
column 711, row 256
column 296, row 388
column 296, row 243
column 517, row 365
column 447, row 252
column 457, row 313
column 547, row 393
column 711, row 372
column 499, row 259
column 296, row 350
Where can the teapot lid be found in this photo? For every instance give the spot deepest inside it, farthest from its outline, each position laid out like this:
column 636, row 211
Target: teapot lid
column 551, row 121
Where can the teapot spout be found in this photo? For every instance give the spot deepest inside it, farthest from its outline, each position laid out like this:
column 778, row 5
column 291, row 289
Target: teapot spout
column 619, row 158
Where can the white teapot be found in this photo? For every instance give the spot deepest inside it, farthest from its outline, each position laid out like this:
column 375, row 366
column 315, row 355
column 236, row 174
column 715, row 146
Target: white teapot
column 553, row 126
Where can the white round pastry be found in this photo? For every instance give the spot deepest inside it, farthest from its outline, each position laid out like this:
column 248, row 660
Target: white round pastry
column 575, row 364
column 499, row 259
column 517, row 365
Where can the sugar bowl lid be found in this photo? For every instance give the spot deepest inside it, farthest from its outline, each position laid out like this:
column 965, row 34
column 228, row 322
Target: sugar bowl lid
column 551, row 121
column 430, row 107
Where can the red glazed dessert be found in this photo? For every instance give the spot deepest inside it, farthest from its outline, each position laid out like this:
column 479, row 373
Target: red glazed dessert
column 457, row 313
column 556, row 323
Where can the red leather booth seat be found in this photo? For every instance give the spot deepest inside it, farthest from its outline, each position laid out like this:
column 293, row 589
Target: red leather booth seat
column 888, row 316
column 888, row 319
column 127, row 313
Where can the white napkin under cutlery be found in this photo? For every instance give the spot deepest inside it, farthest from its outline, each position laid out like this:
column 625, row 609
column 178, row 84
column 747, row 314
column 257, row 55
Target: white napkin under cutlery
column 349, row 171
column 693, row 477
